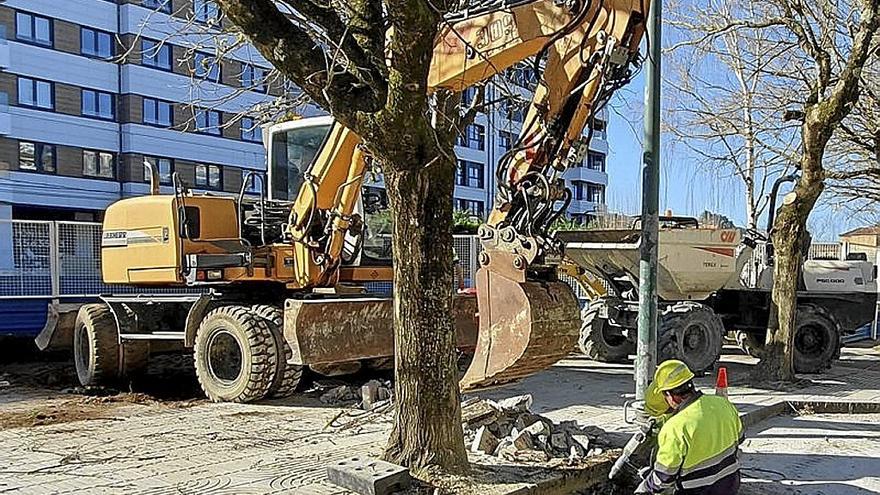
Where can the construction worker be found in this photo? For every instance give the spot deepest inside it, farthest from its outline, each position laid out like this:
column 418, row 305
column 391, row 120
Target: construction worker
column 698, row 444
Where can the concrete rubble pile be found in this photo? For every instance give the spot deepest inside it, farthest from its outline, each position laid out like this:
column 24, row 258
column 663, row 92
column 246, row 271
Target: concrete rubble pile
column 509, row 430
column 369, row 396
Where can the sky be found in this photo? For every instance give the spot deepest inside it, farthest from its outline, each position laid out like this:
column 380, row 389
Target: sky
column 685, row 187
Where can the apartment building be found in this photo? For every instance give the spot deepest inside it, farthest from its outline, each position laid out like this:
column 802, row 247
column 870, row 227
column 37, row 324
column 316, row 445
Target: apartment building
column 93, row 88
column 90, row 89
column 496, row 130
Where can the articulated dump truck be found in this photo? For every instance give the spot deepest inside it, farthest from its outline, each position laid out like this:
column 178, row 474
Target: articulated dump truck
column 262, row 287
column 710, row 282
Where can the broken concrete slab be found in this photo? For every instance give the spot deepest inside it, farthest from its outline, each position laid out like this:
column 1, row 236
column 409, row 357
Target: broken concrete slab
column 369, row 476
column 484, row 441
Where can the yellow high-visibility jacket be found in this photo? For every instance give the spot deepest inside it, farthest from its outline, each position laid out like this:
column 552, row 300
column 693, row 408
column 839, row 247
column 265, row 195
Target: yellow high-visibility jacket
column 697, row 446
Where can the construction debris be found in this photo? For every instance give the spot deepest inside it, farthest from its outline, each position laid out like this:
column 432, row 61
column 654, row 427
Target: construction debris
column 369, row 396
column 509, row 430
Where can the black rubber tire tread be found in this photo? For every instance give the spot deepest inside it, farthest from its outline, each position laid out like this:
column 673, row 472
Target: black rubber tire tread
column 674, row 320
column 95, row 323
column 287, row 376
column 593, row 344
column 259, row 354
column 751, row 343
column 813, row 314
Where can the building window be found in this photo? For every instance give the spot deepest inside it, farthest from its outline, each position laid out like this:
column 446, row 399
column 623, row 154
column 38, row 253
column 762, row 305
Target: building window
column 506, row 140
column 253, row 78
column 250, row 131
column 99, row 164
column 596, row 161
column 513, row 110
column 159, row 5
column 36, row 157
column 96, row 43
column 469, row 205
column 474, row 137
column 587, row 191
column 164, row 165
column 158, row 112
column 595, row 193
column 97, row 104
column 205, row 11
column 469, row 174
column 208, row 122
column 35, row 93
column 467, row 96
column 598, row 127
column 32, row 28
column 209, row 177
column 206, row 67
column 155, row 54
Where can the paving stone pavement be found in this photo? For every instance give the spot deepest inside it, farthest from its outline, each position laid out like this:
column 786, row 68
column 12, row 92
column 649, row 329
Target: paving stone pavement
column 284, row 446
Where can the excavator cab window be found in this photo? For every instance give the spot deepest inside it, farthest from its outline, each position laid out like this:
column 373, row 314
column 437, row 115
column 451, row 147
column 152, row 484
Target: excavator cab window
column 189, row 221
column 293, row 152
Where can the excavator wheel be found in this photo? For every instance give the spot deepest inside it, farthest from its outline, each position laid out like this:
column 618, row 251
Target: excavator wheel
column 287, row 375
column 525, row 326
column 235, row 355
column 96, row 346
column 691, row 332
column 597, row 341
column 816, row 339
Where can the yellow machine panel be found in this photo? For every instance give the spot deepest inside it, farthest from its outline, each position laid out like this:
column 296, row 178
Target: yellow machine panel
column 144, row 240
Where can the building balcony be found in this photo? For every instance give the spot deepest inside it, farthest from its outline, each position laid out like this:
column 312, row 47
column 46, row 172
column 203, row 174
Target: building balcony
column 586, row 175
column 4, row 49
column 5, row 118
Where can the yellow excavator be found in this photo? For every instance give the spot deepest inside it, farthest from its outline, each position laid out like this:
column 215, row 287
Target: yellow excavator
column 262, row 287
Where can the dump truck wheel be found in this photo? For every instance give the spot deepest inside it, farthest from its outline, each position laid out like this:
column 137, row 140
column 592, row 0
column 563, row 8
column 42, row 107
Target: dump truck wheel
column 690, row 332
column 597, row 343
column 751, row 343
column 816, row 339
column 287, row 375
column 235, row 355
column 96, row 346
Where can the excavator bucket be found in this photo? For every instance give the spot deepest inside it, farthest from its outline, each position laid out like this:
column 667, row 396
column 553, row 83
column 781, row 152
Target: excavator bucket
column 525, row 326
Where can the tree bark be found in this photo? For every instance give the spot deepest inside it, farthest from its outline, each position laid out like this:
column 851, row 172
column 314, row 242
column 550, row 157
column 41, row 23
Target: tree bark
column 789, row 234
column 425, row 367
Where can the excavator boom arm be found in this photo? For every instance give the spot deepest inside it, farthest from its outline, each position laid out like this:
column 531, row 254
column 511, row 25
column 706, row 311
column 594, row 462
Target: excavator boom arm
column 528, row 319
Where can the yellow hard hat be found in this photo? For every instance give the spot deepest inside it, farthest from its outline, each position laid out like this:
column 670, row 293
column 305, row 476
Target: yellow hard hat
column 655, row 403
column 672, row 374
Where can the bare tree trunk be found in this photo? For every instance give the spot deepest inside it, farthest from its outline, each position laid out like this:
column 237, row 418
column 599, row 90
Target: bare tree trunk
column 789, row 233
column 425, row 368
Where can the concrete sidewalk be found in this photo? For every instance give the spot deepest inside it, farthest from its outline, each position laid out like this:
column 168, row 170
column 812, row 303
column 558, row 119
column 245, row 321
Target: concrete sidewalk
column 284, row 446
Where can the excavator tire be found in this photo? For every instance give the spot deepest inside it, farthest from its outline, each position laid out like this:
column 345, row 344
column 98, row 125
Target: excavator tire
column 751, row 343
column 598, row 344
column 691, row 332
column 287, row 375
column 96, row 346
column 236, row 357
column 816, row 339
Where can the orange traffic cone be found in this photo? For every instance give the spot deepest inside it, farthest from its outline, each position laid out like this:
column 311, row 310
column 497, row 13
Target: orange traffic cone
column 721, row 382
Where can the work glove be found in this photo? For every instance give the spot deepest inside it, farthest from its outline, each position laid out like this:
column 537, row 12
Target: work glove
column 643, row 488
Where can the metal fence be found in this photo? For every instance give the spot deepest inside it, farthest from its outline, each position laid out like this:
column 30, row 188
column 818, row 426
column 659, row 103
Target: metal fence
column 63, row 260
column 46, row 259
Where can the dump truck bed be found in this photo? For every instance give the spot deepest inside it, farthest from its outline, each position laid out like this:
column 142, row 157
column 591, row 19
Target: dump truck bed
column 693, row 262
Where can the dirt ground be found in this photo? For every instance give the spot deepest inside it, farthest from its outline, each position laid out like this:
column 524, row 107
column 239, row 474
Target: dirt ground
column 160, row 436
